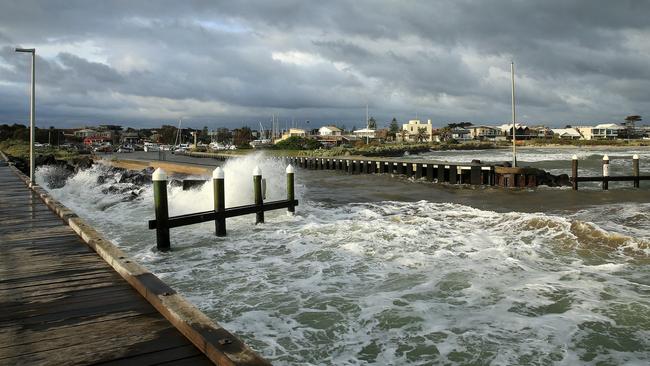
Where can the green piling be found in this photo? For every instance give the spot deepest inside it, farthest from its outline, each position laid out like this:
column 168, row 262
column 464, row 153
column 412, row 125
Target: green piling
column 159, row 179
column 290, row 190
column 635, row 170
column 218, row 180
column 257, row 190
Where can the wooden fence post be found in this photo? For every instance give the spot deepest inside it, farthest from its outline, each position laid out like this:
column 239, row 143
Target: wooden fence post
column 219, row 200
column 635, row 170
column 159, row 179
column 574, row 172
column 605, row 172
column 290, row 190
column 257, row 190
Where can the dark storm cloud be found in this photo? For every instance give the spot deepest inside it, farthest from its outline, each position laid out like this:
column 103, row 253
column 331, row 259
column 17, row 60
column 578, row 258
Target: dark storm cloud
column 240, row 61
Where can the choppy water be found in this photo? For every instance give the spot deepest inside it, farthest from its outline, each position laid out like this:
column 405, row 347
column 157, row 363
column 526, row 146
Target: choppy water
column 388, row 271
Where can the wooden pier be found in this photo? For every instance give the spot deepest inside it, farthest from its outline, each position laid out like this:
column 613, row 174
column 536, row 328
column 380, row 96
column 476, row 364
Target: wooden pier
column 61, row 303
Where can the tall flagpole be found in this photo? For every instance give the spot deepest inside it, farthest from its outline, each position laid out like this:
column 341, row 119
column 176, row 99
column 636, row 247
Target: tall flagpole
column 514, row 127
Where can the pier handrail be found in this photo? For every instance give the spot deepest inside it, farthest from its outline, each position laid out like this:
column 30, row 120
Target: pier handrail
column 605, row 178
column 162, row 223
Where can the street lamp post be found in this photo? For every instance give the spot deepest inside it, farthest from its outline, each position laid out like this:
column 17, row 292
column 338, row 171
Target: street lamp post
column 32, row 112
column 514, row 127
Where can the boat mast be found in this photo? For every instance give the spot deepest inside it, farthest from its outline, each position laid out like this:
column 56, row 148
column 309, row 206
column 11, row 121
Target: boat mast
column 367, row 125
column 178, row 133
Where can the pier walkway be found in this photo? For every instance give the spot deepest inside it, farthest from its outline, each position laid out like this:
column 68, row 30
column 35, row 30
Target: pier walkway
column 60, row 303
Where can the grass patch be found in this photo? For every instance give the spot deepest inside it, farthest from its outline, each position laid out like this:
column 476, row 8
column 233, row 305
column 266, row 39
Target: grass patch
column 20, row 149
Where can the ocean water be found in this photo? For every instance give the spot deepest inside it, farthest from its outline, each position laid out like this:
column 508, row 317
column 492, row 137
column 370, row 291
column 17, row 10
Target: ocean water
column 383, row 270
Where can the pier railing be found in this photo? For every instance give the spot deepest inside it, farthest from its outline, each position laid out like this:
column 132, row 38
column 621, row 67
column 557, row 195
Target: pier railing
column 163, row 222
column 635, row 178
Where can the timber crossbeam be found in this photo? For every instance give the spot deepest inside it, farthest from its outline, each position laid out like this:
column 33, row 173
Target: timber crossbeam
column 205, row 216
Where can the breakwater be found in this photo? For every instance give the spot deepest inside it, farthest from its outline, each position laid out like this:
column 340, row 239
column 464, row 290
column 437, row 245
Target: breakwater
column 473, row 173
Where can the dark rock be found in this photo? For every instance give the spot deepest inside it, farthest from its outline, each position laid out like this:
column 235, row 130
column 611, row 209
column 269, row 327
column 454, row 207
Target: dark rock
column 115, row 170
column 116, row 189
column 563, row 180
column 101, row 179
column 82, row 163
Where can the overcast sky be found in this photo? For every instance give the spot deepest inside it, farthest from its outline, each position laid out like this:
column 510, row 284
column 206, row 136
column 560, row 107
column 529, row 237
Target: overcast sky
column 239, row 62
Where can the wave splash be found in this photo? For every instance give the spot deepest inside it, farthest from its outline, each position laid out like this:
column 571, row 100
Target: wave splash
column 394, row 282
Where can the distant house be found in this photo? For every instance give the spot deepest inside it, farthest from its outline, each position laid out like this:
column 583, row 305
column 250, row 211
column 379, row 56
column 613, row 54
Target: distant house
column 131, row 137
column 330, row 131
column 605, row 131
column 522, row 132
column 541, row 132
column 483, row 132
column 299, row 132
column 567, row 133
column 460, row 134
column 410, row 131
column 365, row 133
column 85, row 132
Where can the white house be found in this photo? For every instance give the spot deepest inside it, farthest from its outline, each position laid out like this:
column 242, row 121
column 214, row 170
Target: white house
column 412, row 128
column 567, row 133
column 605, row 131
column 365, row 133
column 330, row 131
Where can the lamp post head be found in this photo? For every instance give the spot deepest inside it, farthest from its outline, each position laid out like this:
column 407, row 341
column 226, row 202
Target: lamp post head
column 30, row 50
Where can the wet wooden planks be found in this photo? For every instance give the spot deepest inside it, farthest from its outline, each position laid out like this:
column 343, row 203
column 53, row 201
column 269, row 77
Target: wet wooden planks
column 60, row 303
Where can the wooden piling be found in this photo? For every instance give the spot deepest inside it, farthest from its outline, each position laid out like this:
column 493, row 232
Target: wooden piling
column 453, row 174
column 605, row 172
column 441, row 173
column 418, row 170
column 290, row 189
column 635, row 170
column 430, row 172
column 574, row 172
column 409, row 169
column 159, row 179
column 219, row 200
column 475, row 175
column 257, row 190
